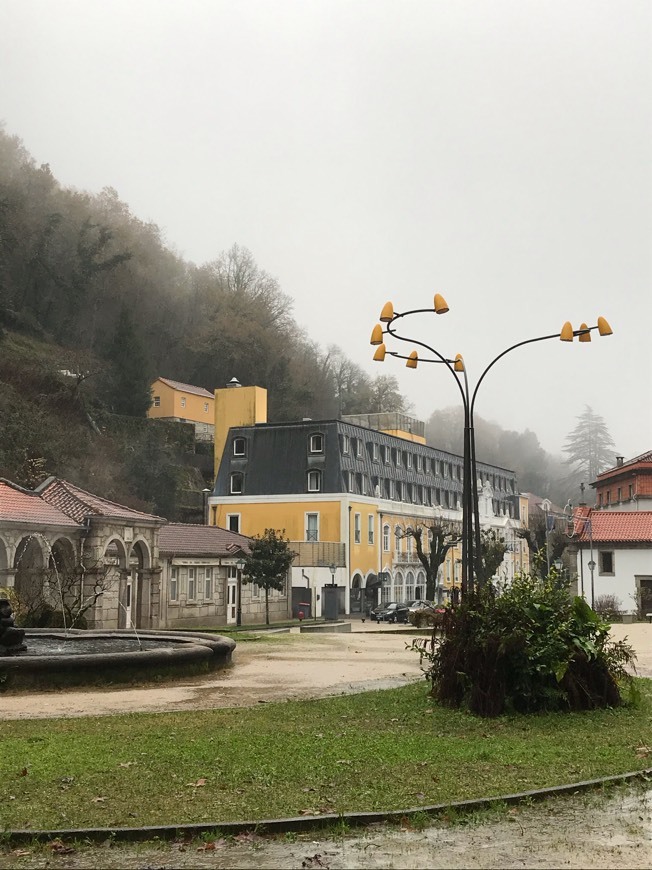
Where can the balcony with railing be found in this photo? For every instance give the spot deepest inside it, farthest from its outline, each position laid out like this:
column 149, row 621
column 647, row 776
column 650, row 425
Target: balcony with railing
column 318, row 554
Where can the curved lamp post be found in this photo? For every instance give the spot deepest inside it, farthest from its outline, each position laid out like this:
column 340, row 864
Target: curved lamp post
column 471, row 549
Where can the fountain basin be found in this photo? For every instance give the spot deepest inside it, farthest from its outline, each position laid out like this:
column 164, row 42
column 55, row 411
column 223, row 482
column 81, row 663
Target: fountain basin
column 55, row 659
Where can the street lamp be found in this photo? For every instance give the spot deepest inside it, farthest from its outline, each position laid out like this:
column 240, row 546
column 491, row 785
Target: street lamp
column 240, row 565
column 205, row 493
column 471, row 544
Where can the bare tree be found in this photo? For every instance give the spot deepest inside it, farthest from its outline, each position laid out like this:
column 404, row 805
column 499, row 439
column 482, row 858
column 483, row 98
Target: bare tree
column 443, row 535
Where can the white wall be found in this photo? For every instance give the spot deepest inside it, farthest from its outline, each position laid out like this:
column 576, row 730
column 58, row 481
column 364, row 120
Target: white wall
column 627, row 564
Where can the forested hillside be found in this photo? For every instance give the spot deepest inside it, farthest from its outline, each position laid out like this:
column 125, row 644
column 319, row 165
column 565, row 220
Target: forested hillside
column 94, row 304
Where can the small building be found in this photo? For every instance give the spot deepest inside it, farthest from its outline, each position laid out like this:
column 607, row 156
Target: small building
column 627, row 486
column 613, row 552
column 202, row 584
column 183, row 403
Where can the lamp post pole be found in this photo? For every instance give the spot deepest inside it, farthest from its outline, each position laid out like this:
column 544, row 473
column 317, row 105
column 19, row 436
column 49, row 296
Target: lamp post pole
column 471, row 540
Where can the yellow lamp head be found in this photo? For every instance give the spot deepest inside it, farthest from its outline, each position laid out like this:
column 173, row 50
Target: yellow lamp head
column 440, row 304
column 459, row 363
column 603, row 327
column 566, row 333
column 585, row 336
column 387, row 313
column 379, row 355
column 412, row 360
column 377, row 334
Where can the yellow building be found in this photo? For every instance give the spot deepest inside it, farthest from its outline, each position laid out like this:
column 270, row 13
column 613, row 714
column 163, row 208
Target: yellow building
column 345, row 492
column 183, row 403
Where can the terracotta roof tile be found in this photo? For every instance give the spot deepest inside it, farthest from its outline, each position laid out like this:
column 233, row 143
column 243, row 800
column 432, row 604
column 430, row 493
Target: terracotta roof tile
column 22, row 506
column 78, row 504
column 187, row 388
column 615, row 527
column 194, row 540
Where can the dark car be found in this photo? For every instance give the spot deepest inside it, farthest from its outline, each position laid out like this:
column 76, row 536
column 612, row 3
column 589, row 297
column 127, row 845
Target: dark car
column 392, row 612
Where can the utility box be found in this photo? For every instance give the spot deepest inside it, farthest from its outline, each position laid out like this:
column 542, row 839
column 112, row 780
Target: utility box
column 330, row 604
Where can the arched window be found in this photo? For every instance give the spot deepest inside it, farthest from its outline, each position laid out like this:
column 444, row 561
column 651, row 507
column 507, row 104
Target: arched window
column 386, row 539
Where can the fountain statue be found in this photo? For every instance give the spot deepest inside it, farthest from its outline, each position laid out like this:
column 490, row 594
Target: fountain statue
column 11, row 638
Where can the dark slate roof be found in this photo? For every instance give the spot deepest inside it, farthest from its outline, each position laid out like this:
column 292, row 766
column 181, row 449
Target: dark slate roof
column 185, row 539
column 23, row 506
column 78, row 504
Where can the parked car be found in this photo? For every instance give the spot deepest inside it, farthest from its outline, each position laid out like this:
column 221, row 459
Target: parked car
column 419, row 604
column 392, row 612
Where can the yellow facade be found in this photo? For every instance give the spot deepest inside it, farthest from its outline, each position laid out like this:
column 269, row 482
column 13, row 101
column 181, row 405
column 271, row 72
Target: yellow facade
column 406, row 436
column 171, row 400
column 237, row 406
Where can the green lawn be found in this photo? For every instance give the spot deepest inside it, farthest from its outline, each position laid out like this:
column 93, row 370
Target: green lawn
column 375, row 751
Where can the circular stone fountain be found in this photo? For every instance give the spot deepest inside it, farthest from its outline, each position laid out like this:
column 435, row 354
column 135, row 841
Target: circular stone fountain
column 52, row 658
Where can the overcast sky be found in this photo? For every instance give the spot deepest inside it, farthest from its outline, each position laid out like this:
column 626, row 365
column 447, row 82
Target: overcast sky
column 496, row 151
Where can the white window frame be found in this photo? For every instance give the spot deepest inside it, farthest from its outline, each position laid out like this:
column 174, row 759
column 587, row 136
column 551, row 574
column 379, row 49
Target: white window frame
column 371, row 528
column 346, row 444
column 314, row 480
column 408, row 460
column 205, row 407
column 358, row 448
column 174, row 585
column 183, row 401
column 316, row 443
column 374, row 452
column 357, row 531
column 230, row 517
column 386, row 538
column 156, row 401
column 314, row 532
column 236, row 442
column 236, row 475
column 192, row 584
column 208, row 583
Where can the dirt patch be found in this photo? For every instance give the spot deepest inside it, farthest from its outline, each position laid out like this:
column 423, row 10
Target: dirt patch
column 291, row 666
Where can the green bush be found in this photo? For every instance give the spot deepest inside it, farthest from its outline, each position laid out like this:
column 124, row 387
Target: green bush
column 526, row 647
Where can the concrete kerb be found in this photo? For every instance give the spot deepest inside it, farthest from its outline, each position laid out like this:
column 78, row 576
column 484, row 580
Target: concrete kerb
column 311, row 823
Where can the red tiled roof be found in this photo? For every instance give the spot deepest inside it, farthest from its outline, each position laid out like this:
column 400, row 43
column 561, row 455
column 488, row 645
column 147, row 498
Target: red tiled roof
column 194, row 540
column 644, row 459
column 187, row 388
column 22, row 506
column 79, row 504
column 614, row 527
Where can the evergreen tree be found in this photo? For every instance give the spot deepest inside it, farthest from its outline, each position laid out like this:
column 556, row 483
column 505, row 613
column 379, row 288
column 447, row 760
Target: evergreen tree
column 129, row 390
column 589, row 447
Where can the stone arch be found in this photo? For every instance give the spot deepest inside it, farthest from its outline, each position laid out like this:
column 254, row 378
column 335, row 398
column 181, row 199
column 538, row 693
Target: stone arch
column 135, row 603
column 62, row 556
column 115, row 554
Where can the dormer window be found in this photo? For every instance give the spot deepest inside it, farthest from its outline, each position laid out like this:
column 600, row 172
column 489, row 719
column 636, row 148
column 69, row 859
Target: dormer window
column 345, row 443
column 237, row 481
column 316, row 443
column 239, row 447
column 314, row 481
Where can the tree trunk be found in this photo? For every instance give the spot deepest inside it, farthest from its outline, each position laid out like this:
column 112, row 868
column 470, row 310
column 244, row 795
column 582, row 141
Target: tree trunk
column 266, row 606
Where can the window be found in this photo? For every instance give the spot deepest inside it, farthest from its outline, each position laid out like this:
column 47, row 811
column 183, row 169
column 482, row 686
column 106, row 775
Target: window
column 397, row 458
column 600, row 499
column 358, row 448
column 386, row 539
column 314, row 481
column 417, row 460
column 345, row 443
column 192, row 585
column 205, row 407
column 608, row 497
column 236, row 483
column 370, row 528
column 312, row 527
column 631, row 490
column 386, row 454
column 374, row 452
column 233, row 522
column 239, row 446
column 316, row 443
column 208, row 583
column 356, row 528
column 606, row 562
column 231, row 572
column 397, row 540
column 183, row 401
column 620, row 494
column 408, row 460
column 174, row 584
column 349, row 481
column 157, row 401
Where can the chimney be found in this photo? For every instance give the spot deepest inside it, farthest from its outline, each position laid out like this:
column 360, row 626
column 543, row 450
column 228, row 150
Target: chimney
column 234, row 382
column 619, row 460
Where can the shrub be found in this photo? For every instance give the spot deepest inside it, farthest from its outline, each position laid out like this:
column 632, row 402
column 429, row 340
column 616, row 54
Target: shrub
column 608, row 607
column 527, row 647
